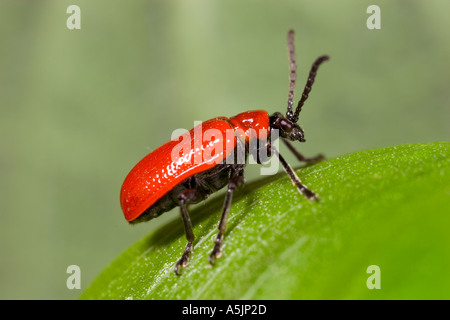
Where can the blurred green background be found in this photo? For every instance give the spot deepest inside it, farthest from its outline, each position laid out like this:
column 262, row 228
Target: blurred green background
column 78, row 108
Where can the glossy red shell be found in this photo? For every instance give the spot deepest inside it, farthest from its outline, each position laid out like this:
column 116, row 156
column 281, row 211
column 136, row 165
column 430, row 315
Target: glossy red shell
column 196, row 151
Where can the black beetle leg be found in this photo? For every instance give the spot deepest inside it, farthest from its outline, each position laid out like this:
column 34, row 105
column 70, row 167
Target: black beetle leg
column 232, row 185
column 301, row 157
column 185, row 198
column 294, row 178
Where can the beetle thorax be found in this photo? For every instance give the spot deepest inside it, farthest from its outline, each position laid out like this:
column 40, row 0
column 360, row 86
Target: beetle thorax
column 251, row 125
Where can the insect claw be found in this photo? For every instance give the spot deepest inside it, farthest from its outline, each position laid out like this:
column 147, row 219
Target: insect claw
column 184, row 260
column 216, row 252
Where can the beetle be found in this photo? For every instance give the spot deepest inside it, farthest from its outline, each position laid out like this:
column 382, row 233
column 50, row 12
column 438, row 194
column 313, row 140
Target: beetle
column 162, row 181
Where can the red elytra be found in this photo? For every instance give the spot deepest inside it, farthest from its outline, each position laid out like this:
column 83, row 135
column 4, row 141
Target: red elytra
column 204, row 160
column 157, row 173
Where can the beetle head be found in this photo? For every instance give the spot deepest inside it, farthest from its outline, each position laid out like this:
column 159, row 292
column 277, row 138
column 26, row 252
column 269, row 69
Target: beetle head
column 287, row 129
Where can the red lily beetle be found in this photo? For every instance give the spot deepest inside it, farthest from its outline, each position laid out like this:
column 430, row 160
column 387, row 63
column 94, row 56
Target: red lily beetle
column 178, row 175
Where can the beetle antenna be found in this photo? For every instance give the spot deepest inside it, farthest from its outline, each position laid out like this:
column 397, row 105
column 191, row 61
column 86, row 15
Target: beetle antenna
column 292, row 73
column 308, row 86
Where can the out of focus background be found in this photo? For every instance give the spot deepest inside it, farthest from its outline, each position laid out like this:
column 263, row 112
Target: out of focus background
column 79, row 108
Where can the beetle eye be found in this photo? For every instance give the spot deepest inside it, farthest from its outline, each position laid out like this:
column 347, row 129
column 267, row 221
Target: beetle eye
column 286, row 125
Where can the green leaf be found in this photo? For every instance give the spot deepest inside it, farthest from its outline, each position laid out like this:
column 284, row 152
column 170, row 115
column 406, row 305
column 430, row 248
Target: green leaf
column 387, row 207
